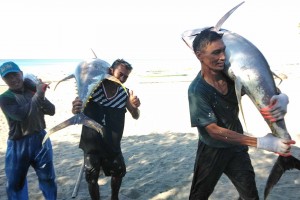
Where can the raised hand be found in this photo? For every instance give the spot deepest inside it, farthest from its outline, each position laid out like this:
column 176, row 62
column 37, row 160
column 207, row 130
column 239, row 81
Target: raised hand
column 134, row 100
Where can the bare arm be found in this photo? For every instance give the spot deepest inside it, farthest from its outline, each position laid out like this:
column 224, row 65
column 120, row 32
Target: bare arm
column 267, row 142
column 230, row 136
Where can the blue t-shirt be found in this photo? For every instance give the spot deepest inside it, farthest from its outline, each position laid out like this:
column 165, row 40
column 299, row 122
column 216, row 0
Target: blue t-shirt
column 207, row 105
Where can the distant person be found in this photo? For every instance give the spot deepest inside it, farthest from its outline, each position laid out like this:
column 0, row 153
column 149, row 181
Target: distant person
column 108, row 107
column 223, row 147
column 24, row 106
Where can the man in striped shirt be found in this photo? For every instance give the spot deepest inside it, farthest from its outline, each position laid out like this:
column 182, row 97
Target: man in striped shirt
column 108, row 106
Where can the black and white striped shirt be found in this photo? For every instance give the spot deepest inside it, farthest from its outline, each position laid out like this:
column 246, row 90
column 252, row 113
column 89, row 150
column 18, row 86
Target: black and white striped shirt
column 117, row 101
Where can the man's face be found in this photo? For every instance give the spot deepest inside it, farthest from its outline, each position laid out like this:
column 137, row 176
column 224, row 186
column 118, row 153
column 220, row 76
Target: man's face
column 14, row 80
column 213, row 56
column 121, row 73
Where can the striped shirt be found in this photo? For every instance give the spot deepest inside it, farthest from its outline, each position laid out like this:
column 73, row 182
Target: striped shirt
column 110, row 113
column 117, row 101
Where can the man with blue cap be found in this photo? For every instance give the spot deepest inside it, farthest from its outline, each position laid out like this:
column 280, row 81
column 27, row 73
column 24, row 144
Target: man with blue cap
column 24, row 106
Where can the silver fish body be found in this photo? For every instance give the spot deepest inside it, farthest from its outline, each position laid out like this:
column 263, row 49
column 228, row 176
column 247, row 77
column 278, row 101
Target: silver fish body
column 88, row 75
column 247, row 66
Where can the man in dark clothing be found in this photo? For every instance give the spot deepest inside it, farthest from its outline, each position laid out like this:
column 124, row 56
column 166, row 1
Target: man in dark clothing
column 108, row 107
column 24, row 106
column 223, row 146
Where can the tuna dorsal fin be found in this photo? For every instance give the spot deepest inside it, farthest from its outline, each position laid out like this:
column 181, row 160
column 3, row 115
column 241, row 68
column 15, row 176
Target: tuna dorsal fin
column 94, row 53
column 238, row 91
column 224, row 18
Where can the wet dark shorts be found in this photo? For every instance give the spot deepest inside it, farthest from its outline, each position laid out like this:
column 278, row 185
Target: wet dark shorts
column 111, row 166
column 211, row 163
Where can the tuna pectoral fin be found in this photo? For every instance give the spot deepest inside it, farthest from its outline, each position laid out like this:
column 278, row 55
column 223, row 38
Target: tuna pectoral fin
column 76, row 119
column 238, row 91
column 281, row 165
column 64, row 79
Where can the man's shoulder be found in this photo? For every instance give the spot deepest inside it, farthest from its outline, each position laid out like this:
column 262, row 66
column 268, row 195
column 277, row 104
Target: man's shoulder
column 7, row 94
column 197, row 85
column 6, row 97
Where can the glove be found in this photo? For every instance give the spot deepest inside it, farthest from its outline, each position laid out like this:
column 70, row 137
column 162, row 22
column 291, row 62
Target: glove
column 277, row 108
column 275, row 144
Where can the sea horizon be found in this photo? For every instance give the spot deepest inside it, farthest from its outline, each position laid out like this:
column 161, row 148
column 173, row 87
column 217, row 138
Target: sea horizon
column 59, row 68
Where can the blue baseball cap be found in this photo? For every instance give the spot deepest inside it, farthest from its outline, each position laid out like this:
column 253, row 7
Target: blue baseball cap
column 8, row 67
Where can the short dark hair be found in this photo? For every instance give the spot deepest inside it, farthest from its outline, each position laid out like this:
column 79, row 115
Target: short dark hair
column 204, row 38
column 121, row 62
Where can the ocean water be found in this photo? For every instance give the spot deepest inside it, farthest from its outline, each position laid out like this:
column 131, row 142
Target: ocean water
column 152, row 70
column 56, row 69
column 40, row 64
column 44, row 67
column 69, row 65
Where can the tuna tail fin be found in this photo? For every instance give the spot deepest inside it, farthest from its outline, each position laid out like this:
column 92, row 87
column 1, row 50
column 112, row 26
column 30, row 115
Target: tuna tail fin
column 76, row 119
column 64, row 79
column 224, row 18
column 281, row 165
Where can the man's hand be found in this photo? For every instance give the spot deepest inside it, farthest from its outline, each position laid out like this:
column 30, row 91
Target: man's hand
column 277, row 108
column 132, row 105
column 41, row 88
column 134, row 100
column 76, row 106
column 275, row 144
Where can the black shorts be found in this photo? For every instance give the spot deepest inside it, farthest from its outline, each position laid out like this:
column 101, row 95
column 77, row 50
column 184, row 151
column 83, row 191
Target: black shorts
column 211, row 163
column 111, row 166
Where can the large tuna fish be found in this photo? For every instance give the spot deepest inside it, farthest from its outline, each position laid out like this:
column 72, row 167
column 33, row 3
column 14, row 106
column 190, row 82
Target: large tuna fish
column 88, row 76
column 247, row 66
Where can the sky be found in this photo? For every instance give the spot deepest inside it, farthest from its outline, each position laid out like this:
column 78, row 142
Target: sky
column 142, row 32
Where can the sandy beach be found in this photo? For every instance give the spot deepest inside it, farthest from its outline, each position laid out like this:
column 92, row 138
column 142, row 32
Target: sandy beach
column 160, row 147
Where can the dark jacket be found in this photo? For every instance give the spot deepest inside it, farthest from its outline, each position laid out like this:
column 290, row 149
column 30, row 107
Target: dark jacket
column 25, row 111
